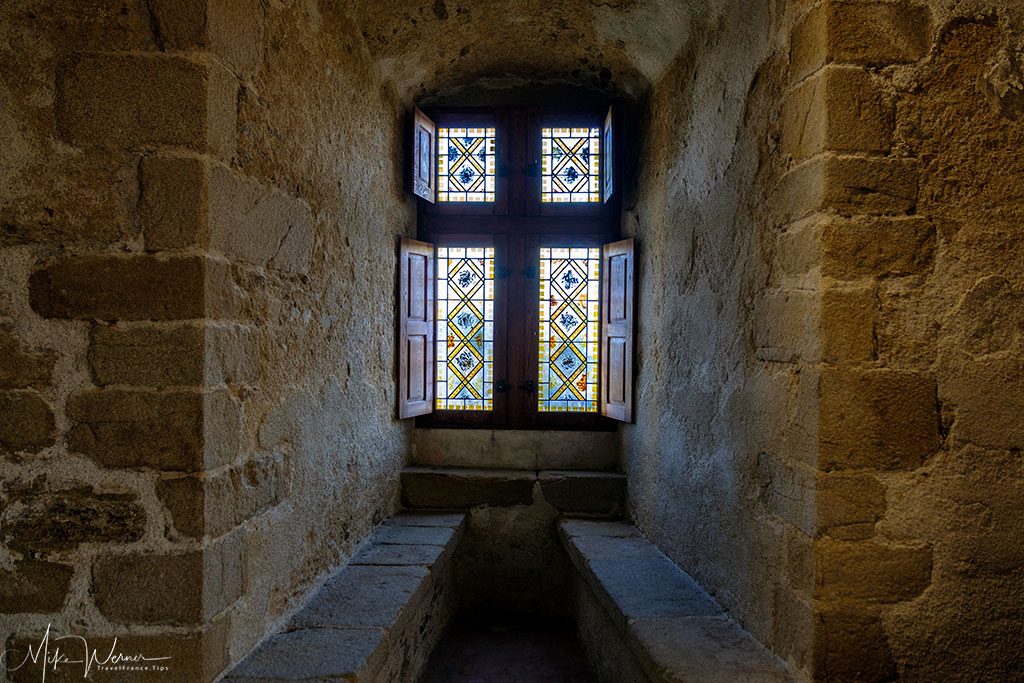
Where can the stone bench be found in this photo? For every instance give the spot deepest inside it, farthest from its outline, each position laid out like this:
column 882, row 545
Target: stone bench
column 641, row 618
column 378, row 618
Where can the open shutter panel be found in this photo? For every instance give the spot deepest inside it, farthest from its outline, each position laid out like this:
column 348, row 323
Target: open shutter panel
column 424, row 156
column 415, row 328
column 617, row 330
column 608, row 158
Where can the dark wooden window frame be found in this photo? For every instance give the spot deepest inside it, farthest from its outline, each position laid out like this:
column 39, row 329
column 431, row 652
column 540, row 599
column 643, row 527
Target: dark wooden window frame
column 517, row 224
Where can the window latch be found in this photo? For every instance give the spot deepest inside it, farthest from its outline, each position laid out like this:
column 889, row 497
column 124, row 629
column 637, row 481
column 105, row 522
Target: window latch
column 529, row 385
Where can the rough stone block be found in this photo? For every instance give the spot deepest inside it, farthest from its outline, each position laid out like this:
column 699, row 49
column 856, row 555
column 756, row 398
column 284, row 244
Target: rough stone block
column 231, row 29
column 851, row 645
column 60, row 520
column 317, row 654
column 362, row 597
column 458, row 488
column 786, row 325
column 174, row 201
column 26, row 422
column 868, row 33
column 839, row 109
column 706, row 649
column 865, row 246
column 870, row 571
column 848, row 324
column 452, row 520
column 34, row 586
column 574, row 528
column 418, row 535
column 883, row 419
column 800, row 561
column 987, row 400
column 147, row 98
column 847, row 186
column 176, row 431
column 602, row 493
column 849, row 505
column 133, row 288
column 787, row 491
column 23, row 368
column 399, row 555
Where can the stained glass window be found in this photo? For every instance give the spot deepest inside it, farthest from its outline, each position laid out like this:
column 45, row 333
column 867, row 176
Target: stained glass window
column 465, row 328
column 569, row 301
column 465, row 164
column 570, row 165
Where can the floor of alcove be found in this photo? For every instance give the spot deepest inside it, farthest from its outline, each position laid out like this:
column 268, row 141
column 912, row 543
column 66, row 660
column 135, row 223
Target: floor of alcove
column 509, row 649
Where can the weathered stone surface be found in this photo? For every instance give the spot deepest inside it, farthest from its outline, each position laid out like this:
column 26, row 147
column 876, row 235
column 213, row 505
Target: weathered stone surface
column 174, row 201
column 711, row 649
column 362, row 596
column 422, row 535
column 788, row 325
column 987, row 400
column 871, row 571
column 584, row 492
column 34, row 586
column 787, row 490
column 585, row 527
column 23, row 368
column 148, row 356
column 60, row 520
column 132, row 288
column 424, row 487
column 851, row 645
column 839, row 109
column 849, row 505
column 862, row 246
column 181, row 431
column 452, row 520
column 396, row 554
column 232, row 29
column 848, row 324
column 310, row 654
column 869, row 33
column 26, row 422
column 125, row 100
column 877, row 418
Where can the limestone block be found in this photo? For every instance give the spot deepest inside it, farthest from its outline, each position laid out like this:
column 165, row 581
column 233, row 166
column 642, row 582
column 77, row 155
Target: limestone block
column 34, row 586
column 182, row 355
column 452, row 520
column 800, row 561
column 26, row 422
column 848, row 324
column 862, row 246
column 183, row 431
column 839, row 109
column 185, row 588
column 129, row 100
column 868, row 33
column 315, row 654
column 851, row 645
column 23, row 368
column 986, row 397
column 849, row 505
column 60, row 520
column 786, row 325
column 421, row 535
column 364, row 596
column 240, row 218
column 584, row 492
column 871, row 571
column 883, row 419
column 213, row 505
column 133, row 288
column 787, row 491
column 399, row 555
column 231, row 29
column 574, row 528
column 455, row 488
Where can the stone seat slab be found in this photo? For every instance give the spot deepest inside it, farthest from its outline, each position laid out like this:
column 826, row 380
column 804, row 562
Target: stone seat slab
column 414, row 535
column 321, row 654
column 453, row 520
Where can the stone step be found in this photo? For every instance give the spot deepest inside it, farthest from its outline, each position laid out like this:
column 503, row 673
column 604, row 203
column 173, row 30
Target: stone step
column 568, row 491
column 641, row 617
column 377, row 618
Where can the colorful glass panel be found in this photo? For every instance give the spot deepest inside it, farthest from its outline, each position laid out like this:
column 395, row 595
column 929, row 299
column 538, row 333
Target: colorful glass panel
column 570, row 165
column 465, row 164
column 569, row 307
column 465, row 328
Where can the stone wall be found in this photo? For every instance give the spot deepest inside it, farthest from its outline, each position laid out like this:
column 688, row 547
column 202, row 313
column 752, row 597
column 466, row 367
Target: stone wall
column 830, row 349
column 196, row 392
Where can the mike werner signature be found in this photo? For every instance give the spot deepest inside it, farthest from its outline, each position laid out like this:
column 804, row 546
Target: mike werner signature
column 78, row 652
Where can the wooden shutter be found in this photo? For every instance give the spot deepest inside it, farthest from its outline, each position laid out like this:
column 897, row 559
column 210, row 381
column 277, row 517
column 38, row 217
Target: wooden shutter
column 415, row 328
column 618, row 272
column 424, row 156
column 607, row 158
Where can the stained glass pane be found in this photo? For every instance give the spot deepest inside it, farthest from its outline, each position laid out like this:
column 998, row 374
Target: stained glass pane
column 465, row 328
column 570, row 165
column 465, row 164
column 569, row 304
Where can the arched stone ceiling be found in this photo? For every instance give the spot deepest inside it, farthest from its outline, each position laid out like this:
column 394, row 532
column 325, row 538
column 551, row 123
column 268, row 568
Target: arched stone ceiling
column 618, row 46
